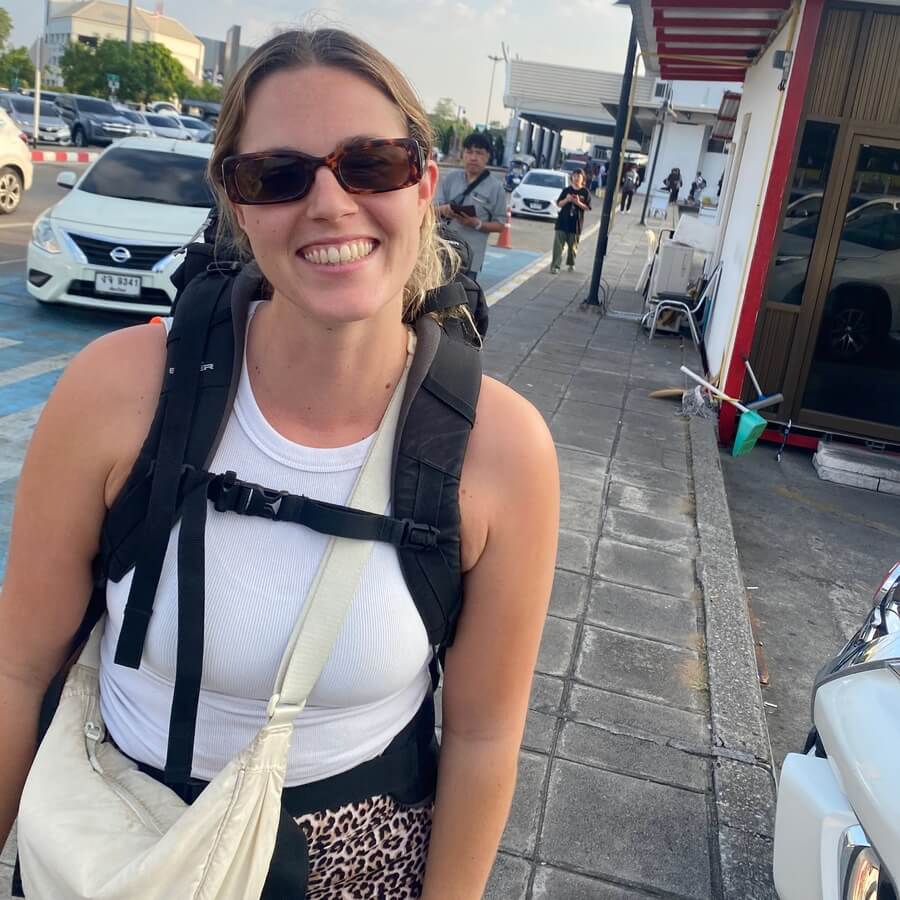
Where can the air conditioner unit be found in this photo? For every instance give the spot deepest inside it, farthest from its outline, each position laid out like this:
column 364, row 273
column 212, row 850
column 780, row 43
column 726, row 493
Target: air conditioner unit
column 673, row 269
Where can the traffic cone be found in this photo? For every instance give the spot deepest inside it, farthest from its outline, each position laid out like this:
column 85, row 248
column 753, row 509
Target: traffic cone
column 504, row 240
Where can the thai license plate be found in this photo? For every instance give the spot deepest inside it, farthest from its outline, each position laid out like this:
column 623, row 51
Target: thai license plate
column 534, row 204
column 117, row 285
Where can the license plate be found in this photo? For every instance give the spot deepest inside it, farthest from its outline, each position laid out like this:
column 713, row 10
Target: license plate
column 534, row 204
column 117, row 285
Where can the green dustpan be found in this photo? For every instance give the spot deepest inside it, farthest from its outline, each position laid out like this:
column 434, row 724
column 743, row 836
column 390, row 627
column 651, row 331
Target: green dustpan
column 750, row 426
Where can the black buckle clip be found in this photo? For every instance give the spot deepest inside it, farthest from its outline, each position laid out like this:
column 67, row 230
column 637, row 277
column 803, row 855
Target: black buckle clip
column 419, row 537
column 246, row 499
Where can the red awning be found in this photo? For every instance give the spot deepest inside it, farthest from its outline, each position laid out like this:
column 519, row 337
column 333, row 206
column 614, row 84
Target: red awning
column 726, row 119
column 707, row 40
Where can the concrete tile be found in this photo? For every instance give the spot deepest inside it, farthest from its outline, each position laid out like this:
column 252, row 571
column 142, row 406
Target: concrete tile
column 642, row 757
column 746, row 865
column 522, row 825
column 648, row 502
column 540, row 731
column 629, row 472
column 672, row 433
column 582, row 489
column 675, row 460
column 638, row 400
column 574, row 551
column 643, row 846
column 546, row 693
column 664, row 535
column 581, row 433
column 645, row 614
column 509, row 878
column 605, row 417
column 557, row 645
column 539, row 382
column 578, row 462
column 537, row 360
column 642, row 567
column 746, row 796
column 570, row 593
column 556, row 884
column 642, row 668
column 578, row 515
column 637, row 716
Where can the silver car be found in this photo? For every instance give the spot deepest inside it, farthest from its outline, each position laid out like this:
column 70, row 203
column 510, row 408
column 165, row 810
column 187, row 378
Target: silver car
column 199, row 130
column 138, row 121
column 53, row 130
column 167, row 126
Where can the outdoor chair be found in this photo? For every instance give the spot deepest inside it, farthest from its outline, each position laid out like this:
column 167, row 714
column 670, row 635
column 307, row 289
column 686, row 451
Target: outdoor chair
column 688, row 305
column 654, row 241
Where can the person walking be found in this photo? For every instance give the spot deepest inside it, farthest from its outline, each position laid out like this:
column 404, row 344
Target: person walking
column 697, row 186
column 323, row 177
column 673, row 184
column 572, row 203
column 630, row 183
column 472, row 202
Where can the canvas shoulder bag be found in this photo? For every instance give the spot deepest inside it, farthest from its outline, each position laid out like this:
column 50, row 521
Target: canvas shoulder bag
column 92, row 826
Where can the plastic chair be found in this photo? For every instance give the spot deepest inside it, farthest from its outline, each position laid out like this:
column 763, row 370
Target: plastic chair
column 687, row 305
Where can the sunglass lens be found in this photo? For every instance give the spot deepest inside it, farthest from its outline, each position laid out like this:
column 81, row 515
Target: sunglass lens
column 377, row 168
column 271, row 179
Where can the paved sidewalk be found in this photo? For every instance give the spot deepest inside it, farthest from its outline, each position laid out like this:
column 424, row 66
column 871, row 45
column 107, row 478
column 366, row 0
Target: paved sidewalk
column 639, row 776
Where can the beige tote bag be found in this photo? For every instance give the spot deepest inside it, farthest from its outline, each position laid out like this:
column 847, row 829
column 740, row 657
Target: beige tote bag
column 93, row 827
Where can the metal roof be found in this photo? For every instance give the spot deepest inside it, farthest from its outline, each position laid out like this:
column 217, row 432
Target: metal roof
column 705, row 40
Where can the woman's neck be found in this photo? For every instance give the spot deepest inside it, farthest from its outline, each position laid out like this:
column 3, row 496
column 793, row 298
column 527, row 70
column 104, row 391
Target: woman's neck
column 324, row 385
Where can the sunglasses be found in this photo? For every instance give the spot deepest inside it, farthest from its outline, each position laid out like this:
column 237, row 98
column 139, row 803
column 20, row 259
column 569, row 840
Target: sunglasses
column 280, row 176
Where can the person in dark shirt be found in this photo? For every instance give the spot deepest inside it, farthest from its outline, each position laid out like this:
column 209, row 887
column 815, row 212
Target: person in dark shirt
column 572, row 203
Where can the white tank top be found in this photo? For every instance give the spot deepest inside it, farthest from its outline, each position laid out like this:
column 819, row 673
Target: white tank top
column 258, row 574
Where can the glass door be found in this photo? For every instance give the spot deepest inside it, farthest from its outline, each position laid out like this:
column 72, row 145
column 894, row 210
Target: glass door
column 851, row 370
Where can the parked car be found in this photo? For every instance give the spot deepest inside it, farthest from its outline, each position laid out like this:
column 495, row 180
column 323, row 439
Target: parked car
column 166, row 126
column 140, row 125
column 207, row 110
column 197, row 127
column 164, row 107
column 538, row 192
column 111, row 242
column 92, row 120
column 15, row 165
column 863, row 305
column 53, row 130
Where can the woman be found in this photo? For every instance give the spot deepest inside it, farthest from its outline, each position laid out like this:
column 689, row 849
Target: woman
column 345, row 272
column 673, row 184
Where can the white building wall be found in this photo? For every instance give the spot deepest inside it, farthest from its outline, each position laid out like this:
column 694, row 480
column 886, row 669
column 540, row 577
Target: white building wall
column 712, row 165
column 683, row 147
column 763, row 102
column 701, row 95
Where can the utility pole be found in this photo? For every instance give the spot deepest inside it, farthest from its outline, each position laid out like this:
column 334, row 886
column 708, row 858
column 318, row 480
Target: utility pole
column 487, row 115
column 38, row 66
column 128, row 26
column 593, row 297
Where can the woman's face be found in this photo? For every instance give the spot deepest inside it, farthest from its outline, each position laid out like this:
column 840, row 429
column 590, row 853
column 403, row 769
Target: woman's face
column 314, row 110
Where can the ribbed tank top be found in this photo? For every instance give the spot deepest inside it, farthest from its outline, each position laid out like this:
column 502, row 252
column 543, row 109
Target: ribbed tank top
column 258, row 575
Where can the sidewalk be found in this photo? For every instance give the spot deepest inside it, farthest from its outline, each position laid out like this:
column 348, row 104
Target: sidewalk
column 645, row 770
column 645, row 765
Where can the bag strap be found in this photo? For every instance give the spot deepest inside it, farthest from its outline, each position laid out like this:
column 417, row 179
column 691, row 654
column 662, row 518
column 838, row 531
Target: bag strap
column 471, row 187
column 336, row 581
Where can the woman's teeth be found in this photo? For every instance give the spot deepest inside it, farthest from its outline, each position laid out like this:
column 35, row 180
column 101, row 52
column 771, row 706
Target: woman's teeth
column 338, row 254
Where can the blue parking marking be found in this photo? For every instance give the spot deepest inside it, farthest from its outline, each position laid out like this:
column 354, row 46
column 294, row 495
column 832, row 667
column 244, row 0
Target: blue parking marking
column 28, row 392
column 502, row 264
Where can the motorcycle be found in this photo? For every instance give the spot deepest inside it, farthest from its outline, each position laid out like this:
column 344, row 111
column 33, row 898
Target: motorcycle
column 837, row 821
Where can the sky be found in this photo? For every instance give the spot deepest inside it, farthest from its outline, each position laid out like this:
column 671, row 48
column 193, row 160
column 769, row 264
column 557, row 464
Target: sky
column 441, row 45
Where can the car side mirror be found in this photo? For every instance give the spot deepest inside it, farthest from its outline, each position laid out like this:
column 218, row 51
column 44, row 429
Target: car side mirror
column 66, row 180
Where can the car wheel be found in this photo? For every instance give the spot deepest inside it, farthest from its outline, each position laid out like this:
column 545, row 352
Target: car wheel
column 855, row 328
column 11, row 187
column 78, row 138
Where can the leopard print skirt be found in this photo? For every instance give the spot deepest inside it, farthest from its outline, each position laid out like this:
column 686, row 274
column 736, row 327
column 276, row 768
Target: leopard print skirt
column 372, row 850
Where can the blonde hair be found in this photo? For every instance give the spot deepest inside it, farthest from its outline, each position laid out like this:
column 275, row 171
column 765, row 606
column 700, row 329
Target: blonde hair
column 437, row 262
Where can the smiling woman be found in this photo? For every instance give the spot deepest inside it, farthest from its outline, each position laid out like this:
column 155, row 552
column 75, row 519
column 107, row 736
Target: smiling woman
column 266, row 705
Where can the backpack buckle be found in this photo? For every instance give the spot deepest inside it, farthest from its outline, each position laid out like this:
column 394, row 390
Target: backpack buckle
column 418, row 537
column 259, row 501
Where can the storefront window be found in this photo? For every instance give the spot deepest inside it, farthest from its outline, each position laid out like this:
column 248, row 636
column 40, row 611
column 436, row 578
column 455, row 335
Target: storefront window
column 856, row 368
column 801, row 219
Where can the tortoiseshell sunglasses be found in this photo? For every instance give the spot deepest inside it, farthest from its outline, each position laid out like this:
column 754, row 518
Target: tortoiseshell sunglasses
column 280, row 176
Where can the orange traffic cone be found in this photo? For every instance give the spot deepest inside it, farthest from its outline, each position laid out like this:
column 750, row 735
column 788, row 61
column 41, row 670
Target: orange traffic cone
column 504, row 240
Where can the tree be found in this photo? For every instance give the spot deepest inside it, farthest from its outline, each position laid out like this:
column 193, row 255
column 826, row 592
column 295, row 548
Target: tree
column 147, row 72
column 16, row 68
column 212, row 93
column 5, row 27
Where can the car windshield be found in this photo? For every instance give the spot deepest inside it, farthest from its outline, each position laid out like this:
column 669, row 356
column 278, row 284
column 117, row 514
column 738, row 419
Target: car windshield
column 132, row 116
column 91, row 105
column 193, row 123
column 545, row 179
column 163, row 121
column 26, row 106
column 152, row 176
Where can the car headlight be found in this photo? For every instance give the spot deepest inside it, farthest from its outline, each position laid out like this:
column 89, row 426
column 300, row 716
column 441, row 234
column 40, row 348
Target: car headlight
column 517, row 195
column 863, row 875
column 42, row 235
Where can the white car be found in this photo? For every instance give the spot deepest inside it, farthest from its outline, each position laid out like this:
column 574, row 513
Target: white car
column 110, row 243
column 15, row 165
column 538, row 192
column 166, row 126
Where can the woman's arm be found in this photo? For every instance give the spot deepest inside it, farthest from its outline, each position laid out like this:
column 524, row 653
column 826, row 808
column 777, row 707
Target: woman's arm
column 78, row 448
column 510, row 504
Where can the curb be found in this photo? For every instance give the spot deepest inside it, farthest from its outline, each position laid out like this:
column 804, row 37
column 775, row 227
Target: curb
column 63, row 156
column 743, row 774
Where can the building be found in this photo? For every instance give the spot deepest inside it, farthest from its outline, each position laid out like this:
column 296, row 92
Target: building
column 808, row 227
column 95, row 20
column 221, row 59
